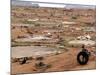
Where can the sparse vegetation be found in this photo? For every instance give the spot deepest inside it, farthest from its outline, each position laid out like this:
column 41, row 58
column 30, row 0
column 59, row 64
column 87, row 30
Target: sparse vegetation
column 63, row 55
column 74, row 17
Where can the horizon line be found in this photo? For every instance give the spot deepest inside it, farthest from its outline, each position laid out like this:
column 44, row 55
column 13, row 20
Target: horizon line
column 54, row 3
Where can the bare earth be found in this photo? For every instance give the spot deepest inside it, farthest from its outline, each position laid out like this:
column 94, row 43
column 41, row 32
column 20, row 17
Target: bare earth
column 62, row 62
column 56, row 29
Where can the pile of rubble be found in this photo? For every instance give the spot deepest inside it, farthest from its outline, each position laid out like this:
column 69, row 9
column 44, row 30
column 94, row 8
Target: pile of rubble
column 86, row 40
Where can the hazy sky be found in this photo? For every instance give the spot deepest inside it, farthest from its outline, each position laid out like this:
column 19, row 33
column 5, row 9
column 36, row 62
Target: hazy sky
column 86, row 2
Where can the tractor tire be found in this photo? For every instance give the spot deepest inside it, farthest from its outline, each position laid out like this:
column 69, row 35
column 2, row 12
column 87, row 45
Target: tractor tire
column 84, row 59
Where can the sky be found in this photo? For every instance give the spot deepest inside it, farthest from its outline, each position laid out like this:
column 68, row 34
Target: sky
column 85, row 2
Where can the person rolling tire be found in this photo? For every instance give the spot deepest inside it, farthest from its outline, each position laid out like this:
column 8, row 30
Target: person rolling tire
column 82, row 58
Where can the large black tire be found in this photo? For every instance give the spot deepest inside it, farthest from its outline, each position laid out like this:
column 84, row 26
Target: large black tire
column 84, row 59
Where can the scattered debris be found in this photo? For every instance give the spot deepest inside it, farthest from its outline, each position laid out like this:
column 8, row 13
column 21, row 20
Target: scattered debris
column 85, row 37
column 23, row 60
column 33, row 19
column 80, row 42
column 69, row 23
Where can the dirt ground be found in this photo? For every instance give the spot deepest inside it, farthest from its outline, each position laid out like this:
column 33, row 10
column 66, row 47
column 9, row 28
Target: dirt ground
column 62, row 62
column 61, row 26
